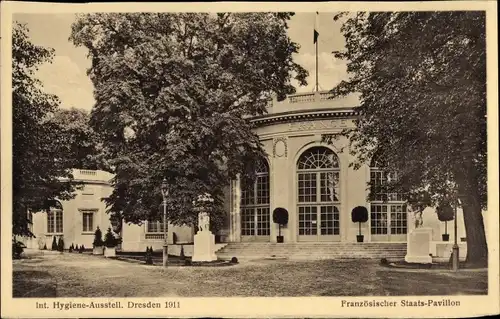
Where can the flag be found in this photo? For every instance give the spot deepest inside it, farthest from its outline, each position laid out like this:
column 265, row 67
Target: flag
column 316, row 33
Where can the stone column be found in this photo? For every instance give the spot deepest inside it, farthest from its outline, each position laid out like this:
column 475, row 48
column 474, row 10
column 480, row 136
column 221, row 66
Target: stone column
column 234, row 214
column 281, row 189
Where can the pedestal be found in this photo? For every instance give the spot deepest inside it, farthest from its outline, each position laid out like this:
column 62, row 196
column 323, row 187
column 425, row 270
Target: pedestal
column 419, row 246
column 204, row 246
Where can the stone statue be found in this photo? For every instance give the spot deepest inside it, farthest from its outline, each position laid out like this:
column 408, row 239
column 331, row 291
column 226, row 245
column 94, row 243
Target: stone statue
column 419, row 221
column 203, row 221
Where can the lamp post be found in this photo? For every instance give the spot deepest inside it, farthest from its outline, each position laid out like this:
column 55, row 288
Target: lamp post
column 164, row 194
column 456, row 250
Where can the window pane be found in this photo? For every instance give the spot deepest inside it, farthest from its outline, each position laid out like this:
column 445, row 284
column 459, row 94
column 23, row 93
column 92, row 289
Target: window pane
column 307, row 187
column 50, row 222
column 59, row 222
column 88, row 221
column 378, row 220
column 330, row 187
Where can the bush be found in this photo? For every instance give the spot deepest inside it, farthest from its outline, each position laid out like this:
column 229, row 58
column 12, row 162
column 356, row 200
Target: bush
column 109, row 239
column 98, row 238
column 60, row 245
column 384, row 262
column 234, row 260
column 187, row 262
column 54, row 243
column 70, row 249
column 82, row 248
column 280, row 217
column 445, row 212
column 17, row 249
column 359, row 215
column 182, row 256
column 149, row 255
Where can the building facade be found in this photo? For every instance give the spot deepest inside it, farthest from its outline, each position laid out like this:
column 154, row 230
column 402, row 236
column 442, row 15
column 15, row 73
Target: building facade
column 312, row 180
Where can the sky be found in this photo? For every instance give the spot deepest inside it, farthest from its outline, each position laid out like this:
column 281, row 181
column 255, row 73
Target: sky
column 66, row 76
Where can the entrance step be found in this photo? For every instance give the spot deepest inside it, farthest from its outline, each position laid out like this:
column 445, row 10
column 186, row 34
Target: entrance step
column 313, row 251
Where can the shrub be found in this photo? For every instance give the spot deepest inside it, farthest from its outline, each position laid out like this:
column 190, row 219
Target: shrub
column 54, row 243
column 98, row 238
column 44, row 246
column 70, row 249
column 60, row 244
column 82, row 248
column 280, row 217
column 234, row 260
column 149, row 255
column 359, row 215
column 17, row 249
column 445, row 214
column 109, row 239
column 384, row 262
column 182, row 256
column 187, row 262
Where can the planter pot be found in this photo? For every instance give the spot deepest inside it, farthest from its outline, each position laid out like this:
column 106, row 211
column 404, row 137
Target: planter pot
column 446, row 237
column 110, row 252
column 360, row 238
column 98, row 250
column 280, row 239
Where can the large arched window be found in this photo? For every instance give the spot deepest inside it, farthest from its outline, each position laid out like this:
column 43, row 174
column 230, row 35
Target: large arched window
column 255, row 208
column 318, row 191
column 388, row 212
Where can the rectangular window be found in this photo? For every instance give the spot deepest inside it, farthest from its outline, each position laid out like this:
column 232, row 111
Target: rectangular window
column 54, row 222
column 155, row 227
column 88, row 221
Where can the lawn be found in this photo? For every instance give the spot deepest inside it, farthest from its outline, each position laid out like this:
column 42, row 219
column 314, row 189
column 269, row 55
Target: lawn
column 75, row 275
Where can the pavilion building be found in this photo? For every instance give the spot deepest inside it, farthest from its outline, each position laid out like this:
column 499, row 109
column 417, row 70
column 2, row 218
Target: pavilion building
column 311, row 179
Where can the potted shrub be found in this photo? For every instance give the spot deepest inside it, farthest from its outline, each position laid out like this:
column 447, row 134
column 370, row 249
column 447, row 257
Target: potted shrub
column 98, row 244
column 445, row 214
column 149, row 256
column 110, row 244
column 17, row 248
column 60, row 245
column 280, row 217
column 359, row 215
column 54, row 243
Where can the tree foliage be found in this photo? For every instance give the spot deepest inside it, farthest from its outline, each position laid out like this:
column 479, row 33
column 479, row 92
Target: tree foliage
column 82, row 144
column 421, row 77
column 173, row 93
column 40, row 165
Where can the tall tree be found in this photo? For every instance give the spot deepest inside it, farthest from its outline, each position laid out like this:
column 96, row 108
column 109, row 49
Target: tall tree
column 173, row 93
column 82, row 145
column 40, row 166
column 421, row 77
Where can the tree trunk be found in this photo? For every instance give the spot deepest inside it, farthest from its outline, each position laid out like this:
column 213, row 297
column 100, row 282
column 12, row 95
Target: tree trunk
column 477, row 249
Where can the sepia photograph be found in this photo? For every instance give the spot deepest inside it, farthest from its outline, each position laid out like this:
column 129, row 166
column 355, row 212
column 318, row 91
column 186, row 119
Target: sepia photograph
column 159, row 155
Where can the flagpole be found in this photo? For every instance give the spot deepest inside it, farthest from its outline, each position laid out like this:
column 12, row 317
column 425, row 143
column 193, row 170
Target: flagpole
column 317, row 81
column 316, row 35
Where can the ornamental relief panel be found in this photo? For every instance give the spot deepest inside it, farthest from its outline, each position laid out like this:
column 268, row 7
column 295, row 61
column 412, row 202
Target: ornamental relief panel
column 280, row 147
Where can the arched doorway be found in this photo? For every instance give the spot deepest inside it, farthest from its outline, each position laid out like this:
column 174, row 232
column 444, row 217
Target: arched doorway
column 318, row 195
column 255, row 206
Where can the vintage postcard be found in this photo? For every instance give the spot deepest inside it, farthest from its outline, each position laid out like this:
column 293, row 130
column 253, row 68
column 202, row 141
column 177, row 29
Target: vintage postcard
column 333, row 159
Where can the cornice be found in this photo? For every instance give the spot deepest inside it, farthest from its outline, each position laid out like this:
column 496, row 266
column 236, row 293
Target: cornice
column 301, row 115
